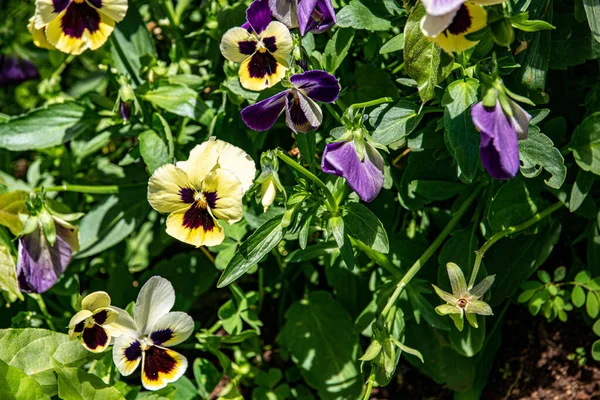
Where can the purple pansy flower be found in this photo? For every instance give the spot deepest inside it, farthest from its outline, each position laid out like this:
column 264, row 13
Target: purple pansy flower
column 302, row 113
column 40, row 265
column 315, row 16
column 499, row 150
column 14, row 70
column 364, row 177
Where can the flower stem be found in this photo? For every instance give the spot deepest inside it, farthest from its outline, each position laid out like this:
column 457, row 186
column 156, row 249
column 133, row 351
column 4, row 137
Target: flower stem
column 350, row 110
column 333, row 112
column 109, row 189
column 331, row 203
column 508, row 231
column 370, row 385
column 44, row 310
column 429, row 252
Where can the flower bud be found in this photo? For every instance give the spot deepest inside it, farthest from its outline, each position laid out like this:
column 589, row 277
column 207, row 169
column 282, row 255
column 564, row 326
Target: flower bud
column 125, row 110
column 268, row 191
column 503, row 32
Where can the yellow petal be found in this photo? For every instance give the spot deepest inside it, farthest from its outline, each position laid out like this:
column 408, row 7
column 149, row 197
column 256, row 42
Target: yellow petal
column 39, row 36
column 458, row 42
column 203, row 158
column 161, row 366
column 206, row 233
column 164, row 189
column 113, row 9
column 96, row 300
column 236, row 160
column 237, row 44
column 46, row 12
column 105, row 316
column 260, row 72
column 283, row 40
column 229, row 194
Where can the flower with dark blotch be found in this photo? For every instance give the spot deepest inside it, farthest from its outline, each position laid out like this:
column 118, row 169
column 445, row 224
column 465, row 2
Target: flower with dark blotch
column 262, row 50
column 499, row 149
column 73, row 26
column 462, row 301
column 145, row 338
column 41, row 263
column 302, row 114
column 363, row 172
column 14, row 70
column 448, row 22
column 91, row 323
column 315, row 16
column 199, row 192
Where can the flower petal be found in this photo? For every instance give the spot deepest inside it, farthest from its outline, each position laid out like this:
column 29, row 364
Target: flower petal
column 39, row 265
column 262, row 115
column 14, row 70
column 318, row 85
column 457, row 280
column 113, row 9
column 285, row 11
column 261, row 71
column 469, row 18
column 323, row 17
column 237, row 44
column 195, row 226
column 236, row 160
column 105, row 316
column 278, row 39
column 39, row 35
column 441, row 7
column 447, row 297
column 302, row 114
column 365, row 178
column 48, row 10
column 173, row 328
column 305, row 11
column 95, row 338
column 499, row 149
column 156, row 298
column 127, row 354
column 166, row 189
column 96, row 300
column 520, row 120
column 258, row 15
column 77, row 322
column 479, row 307
column 161, row 366
column 479, row 290
column 123, row 325
column 203, row 158
column 433, row 25
column 228, row 193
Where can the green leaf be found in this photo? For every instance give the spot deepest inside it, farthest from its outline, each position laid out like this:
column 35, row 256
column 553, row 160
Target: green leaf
column 8, row 273
column 583, row 277
column 592, row 305
column 111, row 221
column 393, row 122
column 559, row 274
column 320, row 337
column 11, row 205
column 394, row 44
column 47, row 127
column 578, row 296
column 180, row 100
column 153, row 150
column 336, row 49
column 423, row 60
column 592, row 11
column 537, row 152
column 76, row 384
column 207, row 377
column 362, row 224
column 462, row 139
column 536, row 60
column 585, row 144
column 130, row 41
column 16, row 385
column 32, row 350
column 423, row 307
column 358, row 16
column 521, row 21
column 258, row 245
column 596, row 328
column 583, row 184
column 336, row 224
column 469, row 341
column 596, row 350
column 544, row 276
column 512, row 205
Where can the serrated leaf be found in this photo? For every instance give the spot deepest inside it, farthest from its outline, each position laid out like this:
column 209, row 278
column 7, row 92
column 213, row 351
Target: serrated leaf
column 537, row 152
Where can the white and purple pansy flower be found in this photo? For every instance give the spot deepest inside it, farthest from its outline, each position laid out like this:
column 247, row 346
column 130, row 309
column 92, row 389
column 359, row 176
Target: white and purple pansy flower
column 145, row 338
column 302, row 112
column 262, row 50
column 315, row 16
column 73, row 26
column 499, row 149
column 364, row 176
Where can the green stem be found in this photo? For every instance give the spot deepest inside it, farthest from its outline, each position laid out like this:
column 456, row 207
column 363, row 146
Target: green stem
column 173, row 20
column 44, row 310
column 62, row 66
column 379, row 258
column 331, row 203
column 350, row 110
column 508, row 231
column 370, row 385
column 333, row 112
column 109, row 189
column 429, row 110
column 429, row 252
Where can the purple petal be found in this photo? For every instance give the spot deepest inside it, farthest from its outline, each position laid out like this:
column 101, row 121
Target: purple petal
column 441, row 7
column 323, row 17
column 520, row 120
column 318, row 85
column 262, row 115
column 14, row 70
column 365, row 178
column 305, row 11
column 301, row 113
column 39, row 265
column 499, row 150
column 285, row 12
column 258, row 15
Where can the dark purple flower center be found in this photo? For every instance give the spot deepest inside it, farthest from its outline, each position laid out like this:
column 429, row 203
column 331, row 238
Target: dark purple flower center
column 133, row 352
column 100, row 317
column 247, row 47
column 161, row 336
column 462, row 21
column 270, row 43
column 95, row 337
column 158, row 361
column 198, row 215
column 78, row 18
column 296, row 114
column 262, row 64
column 96, row 3
column 79, row 327
column 60, row 5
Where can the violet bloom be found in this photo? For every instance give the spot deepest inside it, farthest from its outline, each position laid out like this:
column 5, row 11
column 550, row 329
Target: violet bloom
column 40, row 265
column 315, row 16
column 499, row 150
column 14, row 70
column 302, row 113
column 364, row 177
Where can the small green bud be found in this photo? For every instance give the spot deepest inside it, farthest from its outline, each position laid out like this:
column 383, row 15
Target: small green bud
column 502, row 32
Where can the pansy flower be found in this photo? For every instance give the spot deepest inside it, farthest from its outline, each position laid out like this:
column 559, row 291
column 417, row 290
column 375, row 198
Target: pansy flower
column 152, row 330
column 363, row 172
column 90, row 323
column 199, row 192
column 302, row 114
column 14, row 70
column 315, row 16
column 73, row 26
column 262, row 49
column 448, row 22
